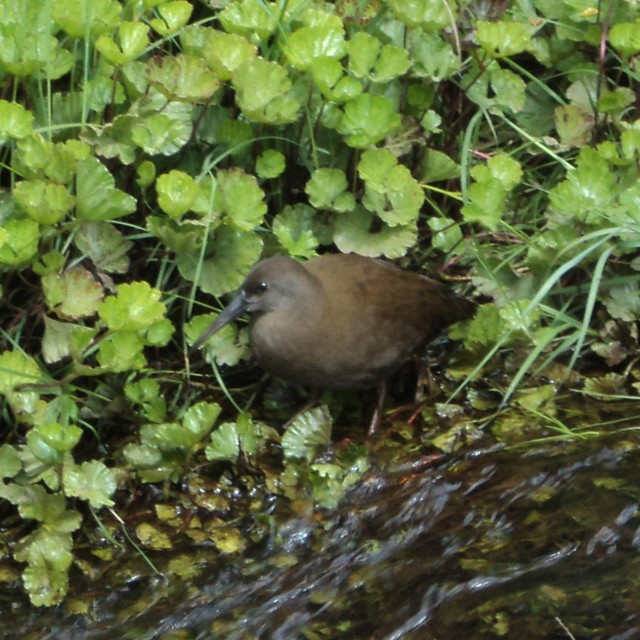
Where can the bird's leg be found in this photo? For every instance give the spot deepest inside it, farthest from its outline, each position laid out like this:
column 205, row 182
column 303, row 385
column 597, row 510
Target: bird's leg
column 424, row 379
column 376, row 418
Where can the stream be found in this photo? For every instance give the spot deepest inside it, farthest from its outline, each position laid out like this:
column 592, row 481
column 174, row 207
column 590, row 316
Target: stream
column 535, row 543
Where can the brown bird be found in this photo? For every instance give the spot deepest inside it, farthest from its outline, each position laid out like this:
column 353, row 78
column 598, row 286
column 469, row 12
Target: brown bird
column 339, row 321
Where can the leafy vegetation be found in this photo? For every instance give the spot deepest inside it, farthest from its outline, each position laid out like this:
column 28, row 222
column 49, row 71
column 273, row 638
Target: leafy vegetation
column 153, row 151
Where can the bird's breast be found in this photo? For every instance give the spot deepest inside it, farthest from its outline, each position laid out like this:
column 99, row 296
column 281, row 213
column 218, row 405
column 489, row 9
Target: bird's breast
column 322, row 352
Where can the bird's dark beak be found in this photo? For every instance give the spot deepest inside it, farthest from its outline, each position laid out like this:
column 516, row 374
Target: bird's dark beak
column 235, row 308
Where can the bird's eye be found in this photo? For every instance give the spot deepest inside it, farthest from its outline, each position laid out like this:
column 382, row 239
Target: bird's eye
column 262, row 286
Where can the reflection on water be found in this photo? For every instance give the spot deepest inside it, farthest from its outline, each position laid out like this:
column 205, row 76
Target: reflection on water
column 537, row 544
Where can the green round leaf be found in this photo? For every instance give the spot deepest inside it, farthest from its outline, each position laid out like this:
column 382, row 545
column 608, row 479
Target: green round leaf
column 446, row 233
column 183, row 77
column 166, row 132
column 44, row 202
column 309, row 44
column 368, row 119
column 234, row 253
column 270, row 164
column 105, row 245
column 225, row 443
column 91, row 481
column 504, row 38
column 173, row 16
column 308, row 432
column 327, row 189
column 625, row 36
column 122, row 351
column 74, row 293
column 294, row 228
column 74, row 16
column 427, row 14
column 225, row 52
column 352, row 233
column 18, row 241
column 486, row 203
column 134, row 39
column 248, row 18
column 48, row 442
column 10, row 463
column 177, row 191
column 15, row 121
column 96, row 195
column 200, row 418
column 240, row 198
column 264, row 92
column 135, row 306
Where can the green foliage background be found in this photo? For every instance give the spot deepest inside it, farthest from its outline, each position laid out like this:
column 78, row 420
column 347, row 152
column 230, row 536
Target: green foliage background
column 155, row 149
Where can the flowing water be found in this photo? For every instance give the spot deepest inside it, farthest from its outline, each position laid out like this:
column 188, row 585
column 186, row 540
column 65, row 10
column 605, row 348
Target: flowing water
column 538, row 543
